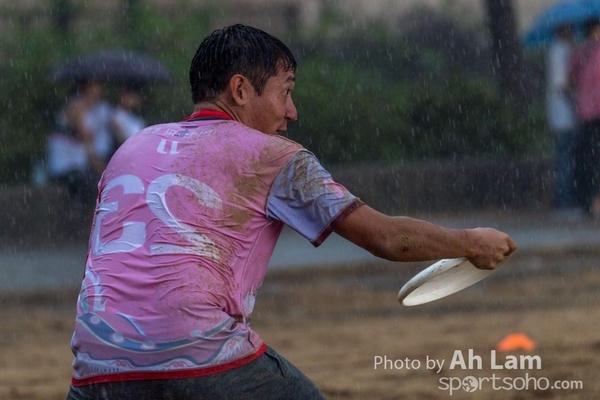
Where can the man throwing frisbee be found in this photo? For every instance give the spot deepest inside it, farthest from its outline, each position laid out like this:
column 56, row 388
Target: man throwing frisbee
column 186, row 221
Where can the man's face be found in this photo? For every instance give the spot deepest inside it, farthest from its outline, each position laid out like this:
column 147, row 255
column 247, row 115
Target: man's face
column 270, row 112
column 94, row 90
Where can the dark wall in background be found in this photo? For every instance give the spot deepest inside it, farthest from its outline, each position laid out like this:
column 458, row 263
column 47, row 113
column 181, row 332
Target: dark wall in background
column 44, row 216
column 451, row 186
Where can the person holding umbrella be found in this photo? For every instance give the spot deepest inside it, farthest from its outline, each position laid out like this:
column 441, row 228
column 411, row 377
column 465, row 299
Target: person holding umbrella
column 126, row 120
column 585, row 79
column 561, row 118
column 80, row 142
column 555, row 26
column 87, row 130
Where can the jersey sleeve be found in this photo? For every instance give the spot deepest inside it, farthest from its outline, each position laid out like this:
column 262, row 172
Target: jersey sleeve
column 305, row 197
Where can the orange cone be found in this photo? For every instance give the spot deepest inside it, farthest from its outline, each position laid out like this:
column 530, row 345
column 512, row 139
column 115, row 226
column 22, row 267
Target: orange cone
column 516, row 341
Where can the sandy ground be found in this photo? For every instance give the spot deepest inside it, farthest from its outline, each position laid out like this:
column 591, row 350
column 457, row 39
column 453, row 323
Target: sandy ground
column 335, row 323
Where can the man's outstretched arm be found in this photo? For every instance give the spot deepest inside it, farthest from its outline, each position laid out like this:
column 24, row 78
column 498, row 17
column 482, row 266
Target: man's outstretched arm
column 409, row 239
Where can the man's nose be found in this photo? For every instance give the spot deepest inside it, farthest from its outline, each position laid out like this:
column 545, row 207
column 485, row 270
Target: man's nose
column 291, row 113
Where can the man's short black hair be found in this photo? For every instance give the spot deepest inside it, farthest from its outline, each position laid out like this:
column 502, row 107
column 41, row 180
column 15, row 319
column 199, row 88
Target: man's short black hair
column 236, row 49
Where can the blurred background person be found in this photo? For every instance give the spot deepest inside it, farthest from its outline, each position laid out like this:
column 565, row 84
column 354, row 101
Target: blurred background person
column 81, row 143
column 126, row 120
column 585, row 79
column 562, row 120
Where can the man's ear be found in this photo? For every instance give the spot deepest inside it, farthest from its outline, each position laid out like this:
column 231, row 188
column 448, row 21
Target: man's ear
column 239, row 88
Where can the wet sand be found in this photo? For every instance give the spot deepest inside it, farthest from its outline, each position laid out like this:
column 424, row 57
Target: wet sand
column 335, row 323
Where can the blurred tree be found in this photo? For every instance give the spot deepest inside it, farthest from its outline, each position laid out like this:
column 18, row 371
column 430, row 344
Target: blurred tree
column 132, row 23
column 62, row 16
column 507, row 58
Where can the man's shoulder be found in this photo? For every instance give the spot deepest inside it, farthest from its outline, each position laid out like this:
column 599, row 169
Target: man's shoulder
column 260, row 138
column 277, row 145
column 288, row 141
column 271, row 149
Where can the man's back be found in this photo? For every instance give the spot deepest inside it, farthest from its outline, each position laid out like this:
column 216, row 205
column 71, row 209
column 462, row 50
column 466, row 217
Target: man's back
column 179, row 248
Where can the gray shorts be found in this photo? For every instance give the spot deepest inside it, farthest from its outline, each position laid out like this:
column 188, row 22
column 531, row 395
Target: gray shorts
column 268, row 377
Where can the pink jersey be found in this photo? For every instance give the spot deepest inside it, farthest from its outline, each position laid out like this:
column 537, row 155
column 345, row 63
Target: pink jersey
column 182, row 236
column 585, row 74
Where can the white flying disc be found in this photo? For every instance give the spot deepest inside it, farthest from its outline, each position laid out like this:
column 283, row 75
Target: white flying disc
column 441, row 279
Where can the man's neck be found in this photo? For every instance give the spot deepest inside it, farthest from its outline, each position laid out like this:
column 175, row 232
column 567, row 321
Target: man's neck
column 218, row 106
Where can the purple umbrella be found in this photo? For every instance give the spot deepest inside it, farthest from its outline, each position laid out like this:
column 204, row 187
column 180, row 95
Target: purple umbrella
column 113, row 66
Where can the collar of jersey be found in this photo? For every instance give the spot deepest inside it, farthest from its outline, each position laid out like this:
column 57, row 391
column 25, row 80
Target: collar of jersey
column 207, row 114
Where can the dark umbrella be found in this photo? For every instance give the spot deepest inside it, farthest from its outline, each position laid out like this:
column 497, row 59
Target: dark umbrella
column 571, row 12
column 113, row 66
